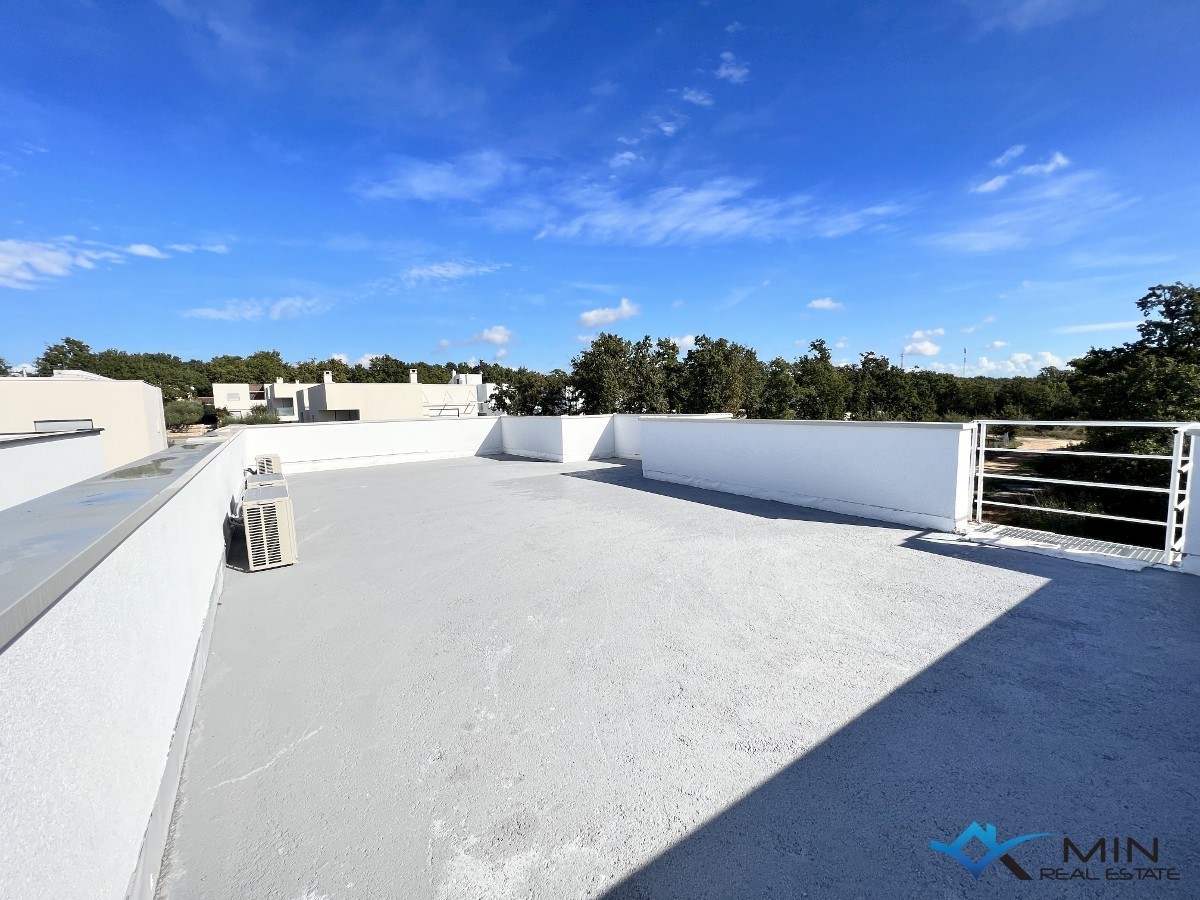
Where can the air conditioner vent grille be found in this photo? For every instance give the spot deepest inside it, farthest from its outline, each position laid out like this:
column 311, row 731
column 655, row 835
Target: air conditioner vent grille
column 270, row 528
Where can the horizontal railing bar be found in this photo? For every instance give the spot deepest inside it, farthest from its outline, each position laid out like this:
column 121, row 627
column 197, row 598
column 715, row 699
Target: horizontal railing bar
column 1080, row 453
column 1071, row 512
column 1050, row 424
column 1099, row 484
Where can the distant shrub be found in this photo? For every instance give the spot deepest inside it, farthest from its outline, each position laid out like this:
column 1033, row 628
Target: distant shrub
column 259, row 415
column 182, row 413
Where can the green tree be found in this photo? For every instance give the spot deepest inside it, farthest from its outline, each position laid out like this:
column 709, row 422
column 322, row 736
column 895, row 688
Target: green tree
column 722, row 376
column 69, row 353
column 529, row 393
column 824, row 387
column 179, row 414
column 602, row 375
column 5, row 368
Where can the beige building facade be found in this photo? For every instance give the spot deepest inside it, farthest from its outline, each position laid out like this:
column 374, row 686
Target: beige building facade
column 129, row 412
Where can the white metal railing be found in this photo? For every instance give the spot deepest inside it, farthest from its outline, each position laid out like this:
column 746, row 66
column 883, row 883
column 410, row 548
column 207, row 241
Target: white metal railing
column 1182, row 458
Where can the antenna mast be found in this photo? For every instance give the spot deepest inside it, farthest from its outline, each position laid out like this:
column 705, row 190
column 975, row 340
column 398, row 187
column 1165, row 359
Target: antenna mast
column 964, row 362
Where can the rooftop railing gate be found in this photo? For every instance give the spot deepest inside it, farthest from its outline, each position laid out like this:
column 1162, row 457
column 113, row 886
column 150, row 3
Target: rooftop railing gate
column 1182, row 458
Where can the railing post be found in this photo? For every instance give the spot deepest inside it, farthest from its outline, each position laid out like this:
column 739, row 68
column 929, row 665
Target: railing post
column 1169, row 546
column 981, row 440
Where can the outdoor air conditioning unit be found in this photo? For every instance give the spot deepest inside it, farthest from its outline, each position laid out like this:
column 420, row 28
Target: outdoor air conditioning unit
column 259, row 481
column 268, row 465
column 270, row 527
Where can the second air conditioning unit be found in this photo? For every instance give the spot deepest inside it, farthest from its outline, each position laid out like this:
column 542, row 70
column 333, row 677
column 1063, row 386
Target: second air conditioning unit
column 268, row 465
column 270, row 527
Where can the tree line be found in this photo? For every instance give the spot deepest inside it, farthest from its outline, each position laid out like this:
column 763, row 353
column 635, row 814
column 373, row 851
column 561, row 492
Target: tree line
column 1156, row 378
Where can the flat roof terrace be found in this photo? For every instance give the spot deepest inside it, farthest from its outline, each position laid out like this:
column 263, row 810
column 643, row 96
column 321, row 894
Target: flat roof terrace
column 506, row 678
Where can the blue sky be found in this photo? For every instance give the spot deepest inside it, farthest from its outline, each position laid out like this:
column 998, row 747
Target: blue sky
column 501, row 181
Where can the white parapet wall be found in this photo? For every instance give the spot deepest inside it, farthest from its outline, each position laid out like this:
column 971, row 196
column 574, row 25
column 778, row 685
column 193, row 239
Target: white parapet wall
column 317, row 446
column 35, row 464
column 914, row 473
column 534, row 437
column 109, row 606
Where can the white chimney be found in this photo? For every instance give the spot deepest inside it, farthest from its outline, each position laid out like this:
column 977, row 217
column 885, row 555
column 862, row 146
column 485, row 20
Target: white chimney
column 412, row 376
column 329, row 378
column 279, row 380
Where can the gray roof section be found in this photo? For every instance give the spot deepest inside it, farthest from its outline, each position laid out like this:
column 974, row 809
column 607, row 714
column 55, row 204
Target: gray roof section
column 519, row 679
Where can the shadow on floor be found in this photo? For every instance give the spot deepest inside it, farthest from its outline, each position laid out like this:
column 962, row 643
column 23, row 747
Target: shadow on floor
column 1072, row 714
column 628, row 474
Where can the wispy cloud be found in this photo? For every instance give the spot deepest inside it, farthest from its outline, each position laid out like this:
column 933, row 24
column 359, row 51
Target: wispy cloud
column 25, row 265
column 1092, row 260
column 685, row 343
column 254, row 310
column 920, row 335
column 731, row 69
column 995, row 345
column 451, row 270
column 1023, row 15
column 596, row 318
column 971, row 329
column 194, row 248
column 623, row 160
column 465, row 177
column 147, row 250
column 1053, row 164
column 1009, row 155
column 720, row 209
column 698, row 97
column 734, row 28
column 922, row 348
column 1097, row 326
column 825, row 303
column 1047, row 213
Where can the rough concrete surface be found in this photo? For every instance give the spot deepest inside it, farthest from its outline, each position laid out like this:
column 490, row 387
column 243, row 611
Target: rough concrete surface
column 501, row 678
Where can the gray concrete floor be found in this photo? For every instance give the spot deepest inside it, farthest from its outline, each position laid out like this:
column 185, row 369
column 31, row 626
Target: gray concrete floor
column 501, row 678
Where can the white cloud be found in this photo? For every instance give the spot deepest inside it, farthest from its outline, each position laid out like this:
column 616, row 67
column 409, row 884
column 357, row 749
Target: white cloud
column 971, row 329
column 1056, row 162
column 192, row 248
column 1019, row 363
column 687, row 342
column 464, row 177
column 584, row 338
column 919, row 335
column 497, row 335
column 341, row 357
column 623, row 159
column 825, row 303
column 1097, row 326
column 1045, row 214
column 147, row 250
column 451, row 270
column 1022, row 15
column 731, row 70
column 992, row 184
column 716, row 210
column 699, row 98
column 995, row 345
column 922, row 348
column 502, row 353
column 1009, row 155
column 629, row 141
column 735, row 27
column 596, row 318
column 605, row 88
column 842, row 343
column 26, row 265
column 669, row 127
column 253, row 310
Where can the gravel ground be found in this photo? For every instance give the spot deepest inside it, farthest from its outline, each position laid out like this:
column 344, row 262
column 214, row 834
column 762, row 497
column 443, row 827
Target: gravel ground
column 502, row 678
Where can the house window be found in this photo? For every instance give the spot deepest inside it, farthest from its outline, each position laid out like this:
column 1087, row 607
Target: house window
column 345, row 415
column 233, row 398
column 284, row 408
column 51, row 425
